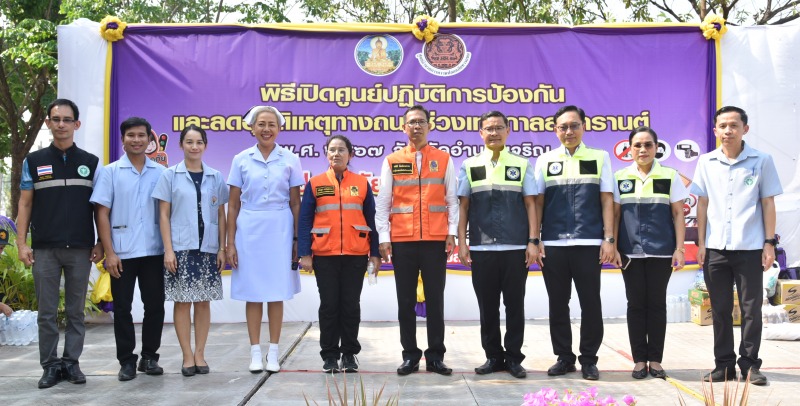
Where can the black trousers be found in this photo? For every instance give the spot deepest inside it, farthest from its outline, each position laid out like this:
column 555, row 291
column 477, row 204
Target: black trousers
column 562, row 266
column 493, row 273
column 150, row 273
column 409, row 260
column 646, row 281
column 339, row 282
column 721, row 269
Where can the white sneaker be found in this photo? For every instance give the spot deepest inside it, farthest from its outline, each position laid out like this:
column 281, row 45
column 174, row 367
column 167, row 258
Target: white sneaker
column 256, row 365
column 272, row 362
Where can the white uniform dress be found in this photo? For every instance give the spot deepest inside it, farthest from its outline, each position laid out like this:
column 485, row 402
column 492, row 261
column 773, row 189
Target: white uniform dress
column 265, row 226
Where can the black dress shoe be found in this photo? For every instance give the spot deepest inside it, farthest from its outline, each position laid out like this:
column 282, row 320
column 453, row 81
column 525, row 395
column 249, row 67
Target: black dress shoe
column 331, row 365
column 491, row 365
column 189, row 371
column 72, row 373
column 127, row 372
column 590, row 372
column 50, row 377
column 202, row 369
column 150, row 367
column 561, row 367
column 439, row 367
column 756, row 377
column 408, row 366
column 658, row 373
column 516, row 369
column 640, row 374
column 721, row 375
column 349, row 363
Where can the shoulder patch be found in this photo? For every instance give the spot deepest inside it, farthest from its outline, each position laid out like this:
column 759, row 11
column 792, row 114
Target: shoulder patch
column 321, row 191
column 402, row 169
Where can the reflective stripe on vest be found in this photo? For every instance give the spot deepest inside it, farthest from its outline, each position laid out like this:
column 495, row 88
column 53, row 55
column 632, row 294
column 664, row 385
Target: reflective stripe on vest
column 339, row 225
column 646, row 223
column 419, row 211
column 497, row 213
column 572, row 208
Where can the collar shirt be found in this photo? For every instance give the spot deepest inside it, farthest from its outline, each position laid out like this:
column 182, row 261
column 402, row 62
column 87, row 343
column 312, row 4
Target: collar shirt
column 383, row 203
column 562, row 153
column 265, row 184
column 134, row 213
column 177, row 188
column 465, row 190
column 677, row 192
column 734, row 188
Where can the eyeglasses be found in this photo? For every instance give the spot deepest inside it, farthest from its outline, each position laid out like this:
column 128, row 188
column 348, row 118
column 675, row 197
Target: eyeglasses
column 417, row 123
column 62, row 120
column 646, row 145
column 574, row 127
column 495, row 129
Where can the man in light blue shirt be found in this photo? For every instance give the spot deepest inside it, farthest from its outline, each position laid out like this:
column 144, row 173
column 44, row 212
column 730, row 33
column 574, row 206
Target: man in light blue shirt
column 127, row 222
column 736, row 186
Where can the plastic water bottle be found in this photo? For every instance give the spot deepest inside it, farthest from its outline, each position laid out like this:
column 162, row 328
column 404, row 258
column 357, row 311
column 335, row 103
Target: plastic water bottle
column 372, row 276
column 35, row 338
column 671, row 309
column 685, row 309
column 3, row 323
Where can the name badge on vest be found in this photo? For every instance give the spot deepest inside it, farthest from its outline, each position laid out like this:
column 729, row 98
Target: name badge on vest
column 433, row 166
column 662, row 186
column 477, row 173
column 353, row 190
column 555, row 168
column 588, row 167
column 402, row 169
column 321, row 191
column 513, row 173
column 626, row 186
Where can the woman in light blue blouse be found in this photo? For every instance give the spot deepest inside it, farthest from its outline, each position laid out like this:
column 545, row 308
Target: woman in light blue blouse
column 192, row 210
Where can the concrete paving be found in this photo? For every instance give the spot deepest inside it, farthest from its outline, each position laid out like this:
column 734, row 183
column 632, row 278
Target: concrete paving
column 687, row 357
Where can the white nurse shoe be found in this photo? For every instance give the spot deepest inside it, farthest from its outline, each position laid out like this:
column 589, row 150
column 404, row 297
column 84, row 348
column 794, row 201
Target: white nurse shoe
column 272, row 362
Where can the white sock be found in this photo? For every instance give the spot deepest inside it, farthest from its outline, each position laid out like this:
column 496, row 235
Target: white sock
column 255, row 349
column 273, row 348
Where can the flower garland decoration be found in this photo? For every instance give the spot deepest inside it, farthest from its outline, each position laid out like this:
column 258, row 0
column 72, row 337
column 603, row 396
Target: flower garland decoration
column 111, row 28
column 713, row 27
column 425, row 28
column 589, row 397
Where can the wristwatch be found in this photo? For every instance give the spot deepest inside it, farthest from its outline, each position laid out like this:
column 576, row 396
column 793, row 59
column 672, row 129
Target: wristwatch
column 534, row 241
column 773, row 241
column 609, row 239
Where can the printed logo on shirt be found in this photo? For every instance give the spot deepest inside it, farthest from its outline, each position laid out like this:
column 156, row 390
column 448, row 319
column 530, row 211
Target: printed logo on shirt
column 555, row 169
column 83, row 170
column 433, row 166
column 321, row 191
column 353, row 190
column 44, row 170
column 626, row 186
column 512, row 173
column 213, row 200
column 749, row 181
column 402, row 169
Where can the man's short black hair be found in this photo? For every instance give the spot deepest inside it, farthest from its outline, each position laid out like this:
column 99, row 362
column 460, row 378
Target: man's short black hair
column 569, row 108
column 493, row 113
column 731, row 109
column 131, row 122
column 63, row 102
column 420, row 108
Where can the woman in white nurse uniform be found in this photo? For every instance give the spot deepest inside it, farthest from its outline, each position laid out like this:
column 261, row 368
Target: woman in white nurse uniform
column 262, row 230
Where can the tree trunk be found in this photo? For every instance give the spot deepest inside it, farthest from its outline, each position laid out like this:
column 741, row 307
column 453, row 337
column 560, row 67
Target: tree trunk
column 451, row 10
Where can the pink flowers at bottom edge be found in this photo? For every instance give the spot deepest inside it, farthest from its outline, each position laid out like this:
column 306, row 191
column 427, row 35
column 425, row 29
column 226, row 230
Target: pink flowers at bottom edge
column 589, row 397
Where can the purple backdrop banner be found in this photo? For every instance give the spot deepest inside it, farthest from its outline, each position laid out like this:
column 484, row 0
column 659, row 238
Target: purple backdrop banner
column 360, row 83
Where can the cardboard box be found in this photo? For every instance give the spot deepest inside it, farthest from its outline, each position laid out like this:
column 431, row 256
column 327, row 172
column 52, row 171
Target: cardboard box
column 793, row 312
column 787, row 292
column 699, row 297
column 702, row 316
